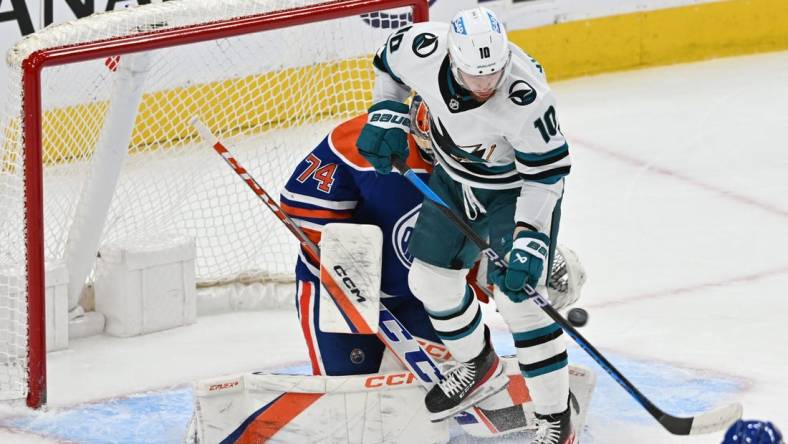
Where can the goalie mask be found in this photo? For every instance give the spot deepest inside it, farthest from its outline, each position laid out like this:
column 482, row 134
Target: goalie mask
column 420, row 126
column 479, row 51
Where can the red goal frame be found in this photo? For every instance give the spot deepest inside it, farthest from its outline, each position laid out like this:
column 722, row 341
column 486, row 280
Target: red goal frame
column 32, row 67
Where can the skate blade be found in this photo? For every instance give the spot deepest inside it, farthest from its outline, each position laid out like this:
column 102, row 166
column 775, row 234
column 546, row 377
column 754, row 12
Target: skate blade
column 493, row 386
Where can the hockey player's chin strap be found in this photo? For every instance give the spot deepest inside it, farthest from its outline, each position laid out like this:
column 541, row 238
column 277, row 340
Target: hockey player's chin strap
column 472, row 205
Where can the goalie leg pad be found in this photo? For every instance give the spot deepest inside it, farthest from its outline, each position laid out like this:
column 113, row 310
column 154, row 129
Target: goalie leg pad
column 454, row 312
column 336, row 354
column 363, row 409
column 333, row 353
column 350, row 266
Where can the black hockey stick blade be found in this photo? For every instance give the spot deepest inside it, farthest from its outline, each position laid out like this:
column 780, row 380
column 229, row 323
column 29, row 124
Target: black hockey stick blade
column 707, row 422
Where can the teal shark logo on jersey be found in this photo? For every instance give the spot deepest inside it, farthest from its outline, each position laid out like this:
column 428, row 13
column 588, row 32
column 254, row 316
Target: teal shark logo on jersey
column 521, row 93
column 474, row 150
column 474, row 153
column 425, row 44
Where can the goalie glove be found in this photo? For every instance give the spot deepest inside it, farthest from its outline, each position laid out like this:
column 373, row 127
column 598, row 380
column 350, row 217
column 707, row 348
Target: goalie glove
column 526, row 264
column 385, row 134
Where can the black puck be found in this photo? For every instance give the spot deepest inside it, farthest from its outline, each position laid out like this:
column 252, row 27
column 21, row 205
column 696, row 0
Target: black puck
column 577, row 317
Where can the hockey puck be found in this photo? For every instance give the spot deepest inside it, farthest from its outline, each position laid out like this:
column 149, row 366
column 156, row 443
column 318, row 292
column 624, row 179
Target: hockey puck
column 577, row 317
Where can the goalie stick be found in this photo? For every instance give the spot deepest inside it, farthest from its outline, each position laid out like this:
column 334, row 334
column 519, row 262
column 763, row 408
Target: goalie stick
column 707, row 422
column 390, row 330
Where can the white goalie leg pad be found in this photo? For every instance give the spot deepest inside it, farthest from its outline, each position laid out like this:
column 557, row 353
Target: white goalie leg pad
column 351, row 258
column 360, row 409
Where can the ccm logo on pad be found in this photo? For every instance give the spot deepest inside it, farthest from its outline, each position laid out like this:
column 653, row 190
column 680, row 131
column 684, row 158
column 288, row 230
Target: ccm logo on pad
column 393, row 379
column 349, row 284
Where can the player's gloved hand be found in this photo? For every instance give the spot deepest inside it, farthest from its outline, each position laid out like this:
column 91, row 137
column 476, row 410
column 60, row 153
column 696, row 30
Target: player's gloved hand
column 385, row 134
column 526, row 263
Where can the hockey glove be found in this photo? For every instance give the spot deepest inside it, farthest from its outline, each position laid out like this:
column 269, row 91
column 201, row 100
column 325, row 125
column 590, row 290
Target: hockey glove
column 526, row 263
column 385, row 134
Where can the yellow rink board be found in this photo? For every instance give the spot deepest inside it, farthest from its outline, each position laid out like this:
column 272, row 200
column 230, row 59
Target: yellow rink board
column 566, row 50
column 246, row 105
column 660, row 37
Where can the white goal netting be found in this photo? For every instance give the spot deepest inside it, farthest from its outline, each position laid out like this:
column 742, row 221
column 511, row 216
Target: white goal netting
column 271, row 95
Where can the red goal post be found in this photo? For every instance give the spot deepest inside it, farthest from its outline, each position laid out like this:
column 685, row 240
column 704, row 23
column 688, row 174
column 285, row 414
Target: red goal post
column 26, row 125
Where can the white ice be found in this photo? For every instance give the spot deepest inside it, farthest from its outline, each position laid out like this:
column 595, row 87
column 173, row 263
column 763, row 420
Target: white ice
column 677, row 204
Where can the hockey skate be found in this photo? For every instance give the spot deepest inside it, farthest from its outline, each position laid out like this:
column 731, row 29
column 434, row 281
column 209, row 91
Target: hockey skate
column 556, row 428
column 466, row 384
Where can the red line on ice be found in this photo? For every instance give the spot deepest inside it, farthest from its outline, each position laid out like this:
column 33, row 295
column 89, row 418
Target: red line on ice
column 662, row 171
column 743, row 279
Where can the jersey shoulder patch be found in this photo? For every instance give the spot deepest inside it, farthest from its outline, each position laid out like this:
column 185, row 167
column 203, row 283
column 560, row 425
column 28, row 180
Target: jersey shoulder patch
column 412, row 50
column 525, row 90
column 425, row 39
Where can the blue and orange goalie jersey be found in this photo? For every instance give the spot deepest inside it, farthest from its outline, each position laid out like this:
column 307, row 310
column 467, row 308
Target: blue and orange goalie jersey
column 334, row 183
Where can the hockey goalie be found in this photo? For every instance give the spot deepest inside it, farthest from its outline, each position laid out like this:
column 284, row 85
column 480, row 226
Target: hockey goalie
column 372, row 348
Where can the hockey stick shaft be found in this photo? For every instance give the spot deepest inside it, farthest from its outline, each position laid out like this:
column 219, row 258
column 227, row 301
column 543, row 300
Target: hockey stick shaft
column 219, row 147
column 703, row 423
column 391, row 332
column 342, row 300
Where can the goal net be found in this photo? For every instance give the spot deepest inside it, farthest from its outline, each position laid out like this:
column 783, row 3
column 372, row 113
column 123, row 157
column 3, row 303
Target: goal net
column 96, row 145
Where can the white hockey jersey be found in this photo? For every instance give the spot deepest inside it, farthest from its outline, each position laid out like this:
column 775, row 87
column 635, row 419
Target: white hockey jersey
column 512, row 140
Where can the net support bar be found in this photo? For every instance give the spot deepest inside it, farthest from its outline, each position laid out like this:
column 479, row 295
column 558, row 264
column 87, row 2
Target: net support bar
column 112, row 149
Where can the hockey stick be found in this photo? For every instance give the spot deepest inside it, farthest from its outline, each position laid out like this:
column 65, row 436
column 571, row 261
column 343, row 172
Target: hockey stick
column 707, row 422
column 391, row 332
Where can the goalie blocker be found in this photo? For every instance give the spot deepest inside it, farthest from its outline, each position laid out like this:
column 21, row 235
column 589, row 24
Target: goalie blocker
column 364, row 409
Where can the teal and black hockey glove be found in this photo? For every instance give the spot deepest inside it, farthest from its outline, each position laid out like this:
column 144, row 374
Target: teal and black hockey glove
column 385, row 134
column 526, row 263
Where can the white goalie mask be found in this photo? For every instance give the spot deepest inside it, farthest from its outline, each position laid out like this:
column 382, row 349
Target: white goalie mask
column 479, row 51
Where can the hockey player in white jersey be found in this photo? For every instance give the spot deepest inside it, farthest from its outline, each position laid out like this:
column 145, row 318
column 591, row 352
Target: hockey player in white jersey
column 502, row 160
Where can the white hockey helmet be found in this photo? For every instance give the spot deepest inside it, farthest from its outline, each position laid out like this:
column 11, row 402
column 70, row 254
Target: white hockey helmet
column 479, row 51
